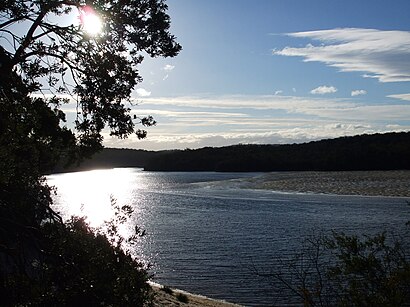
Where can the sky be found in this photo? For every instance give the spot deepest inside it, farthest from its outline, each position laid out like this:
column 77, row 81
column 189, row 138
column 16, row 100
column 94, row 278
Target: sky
column 271, row 71
column 277, row 71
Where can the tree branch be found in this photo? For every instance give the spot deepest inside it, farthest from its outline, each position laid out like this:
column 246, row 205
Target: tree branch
column 10, row 21
column 54, row 55
column 37, row 22
column 18, row 55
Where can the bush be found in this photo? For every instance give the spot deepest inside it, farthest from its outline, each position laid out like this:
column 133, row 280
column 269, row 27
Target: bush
column 347, row 270
column 81, row 267
column 182, row 298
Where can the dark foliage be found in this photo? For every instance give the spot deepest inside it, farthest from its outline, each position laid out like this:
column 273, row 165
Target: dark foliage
column 182, row 298
column 78, row 267
column 347, row 270
column 110, row 158
column 364, row 152
column 369, row 271
column 98, row 72
column 42, row 261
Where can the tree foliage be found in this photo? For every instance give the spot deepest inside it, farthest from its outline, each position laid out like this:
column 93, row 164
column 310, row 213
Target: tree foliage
column 47, row 59
column 99, row 71
column 369, row 271
column 81, row 266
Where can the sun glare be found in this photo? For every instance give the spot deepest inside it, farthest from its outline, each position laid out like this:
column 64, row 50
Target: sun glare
column 91, row 22
column 88, row 193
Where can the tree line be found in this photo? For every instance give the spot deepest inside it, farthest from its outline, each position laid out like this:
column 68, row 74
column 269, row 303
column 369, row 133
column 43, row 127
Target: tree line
column 387, row 151
column 363, row 152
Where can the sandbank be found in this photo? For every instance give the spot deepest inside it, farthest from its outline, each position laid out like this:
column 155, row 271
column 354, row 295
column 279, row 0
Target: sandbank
column 366, row 183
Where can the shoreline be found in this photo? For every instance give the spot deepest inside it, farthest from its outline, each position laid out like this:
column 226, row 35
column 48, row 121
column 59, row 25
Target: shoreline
column 170, row 298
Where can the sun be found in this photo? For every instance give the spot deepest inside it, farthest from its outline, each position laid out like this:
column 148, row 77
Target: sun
column 91, row 22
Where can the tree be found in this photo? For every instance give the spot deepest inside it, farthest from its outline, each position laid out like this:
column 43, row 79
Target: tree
column 48, row 57
column 98, row 71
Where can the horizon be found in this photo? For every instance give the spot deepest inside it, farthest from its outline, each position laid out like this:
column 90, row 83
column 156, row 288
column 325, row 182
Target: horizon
column 275, row 72
column 259, row 144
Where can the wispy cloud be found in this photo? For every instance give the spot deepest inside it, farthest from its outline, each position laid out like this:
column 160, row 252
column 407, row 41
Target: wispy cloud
column 224, row 120
column 405, row 97
column 321, row 90
column 142, row 92
column 278, row 92
column 335, row 108
column 167, row 140
column 168, row 67
column 381, row 54
column 358, row 92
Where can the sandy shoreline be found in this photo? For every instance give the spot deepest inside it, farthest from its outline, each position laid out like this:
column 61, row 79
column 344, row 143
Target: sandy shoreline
column 366, row 183
column 171, row 300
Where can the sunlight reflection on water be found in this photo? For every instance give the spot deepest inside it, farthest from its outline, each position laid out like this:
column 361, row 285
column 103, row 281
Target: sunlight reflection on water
column 88, row 193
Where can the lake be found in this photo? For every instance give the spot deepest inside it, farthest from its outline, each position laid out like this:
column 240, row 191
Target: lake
column 206, row 235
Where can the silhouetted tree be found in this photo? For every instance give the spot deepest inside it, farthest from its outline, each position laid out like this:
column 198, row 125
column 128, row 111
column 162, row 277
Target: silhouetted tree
column 98, row 71
column 45, row 62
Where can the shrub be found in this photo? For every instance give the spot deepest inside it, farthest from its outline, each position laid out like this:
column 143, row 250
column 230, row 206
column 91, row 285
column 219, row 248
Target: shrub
column 182, row 298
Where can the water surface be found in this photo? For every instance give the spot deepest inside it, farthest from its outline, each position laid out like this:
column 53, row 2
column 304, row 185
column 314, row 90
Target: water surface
column 205, row 235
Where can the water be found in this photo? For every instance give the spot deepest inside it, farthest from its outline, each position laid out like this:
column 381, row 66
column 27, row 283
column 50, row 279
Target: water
column 207, row 236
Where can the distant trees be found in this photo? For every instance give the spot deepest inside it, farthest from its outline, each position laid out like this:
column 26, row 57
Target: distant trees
column 46, row 59
column 363, row 152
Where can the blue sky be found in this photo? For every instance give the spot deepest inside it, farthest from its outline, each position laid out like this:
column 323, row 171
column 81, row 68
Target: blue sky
column 270, row 71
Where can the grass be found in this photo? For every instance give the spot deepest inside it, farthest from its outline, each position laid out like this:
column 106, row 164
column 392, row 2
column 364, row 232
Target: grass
column 180, row 296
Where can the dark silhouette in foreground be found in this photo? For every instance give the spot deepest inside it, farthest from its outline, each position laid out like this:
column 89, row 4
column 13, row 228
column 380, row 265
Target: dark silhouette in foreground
column 46, row 63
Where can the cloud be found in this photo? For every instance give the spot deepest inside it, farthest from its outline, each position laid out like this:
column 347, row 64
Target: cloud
column 290, row 109
column 175, row 140
column 381, row 54
column 405, row 97
column 215, row 120
column 141, row 92
column 278, row 92
column 358, row 92
column 321, row 90
column 168, row 67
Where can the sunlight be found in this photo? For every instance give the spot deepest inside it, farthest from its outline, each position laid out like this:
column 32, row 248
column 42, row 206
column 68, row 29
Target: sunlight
column 90, row 21
column 88, row 193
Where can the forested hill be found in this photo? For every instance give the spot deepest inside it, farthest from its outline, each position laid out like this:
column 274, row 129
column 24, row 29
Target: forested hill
column 364, row 152
column 110, row 158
